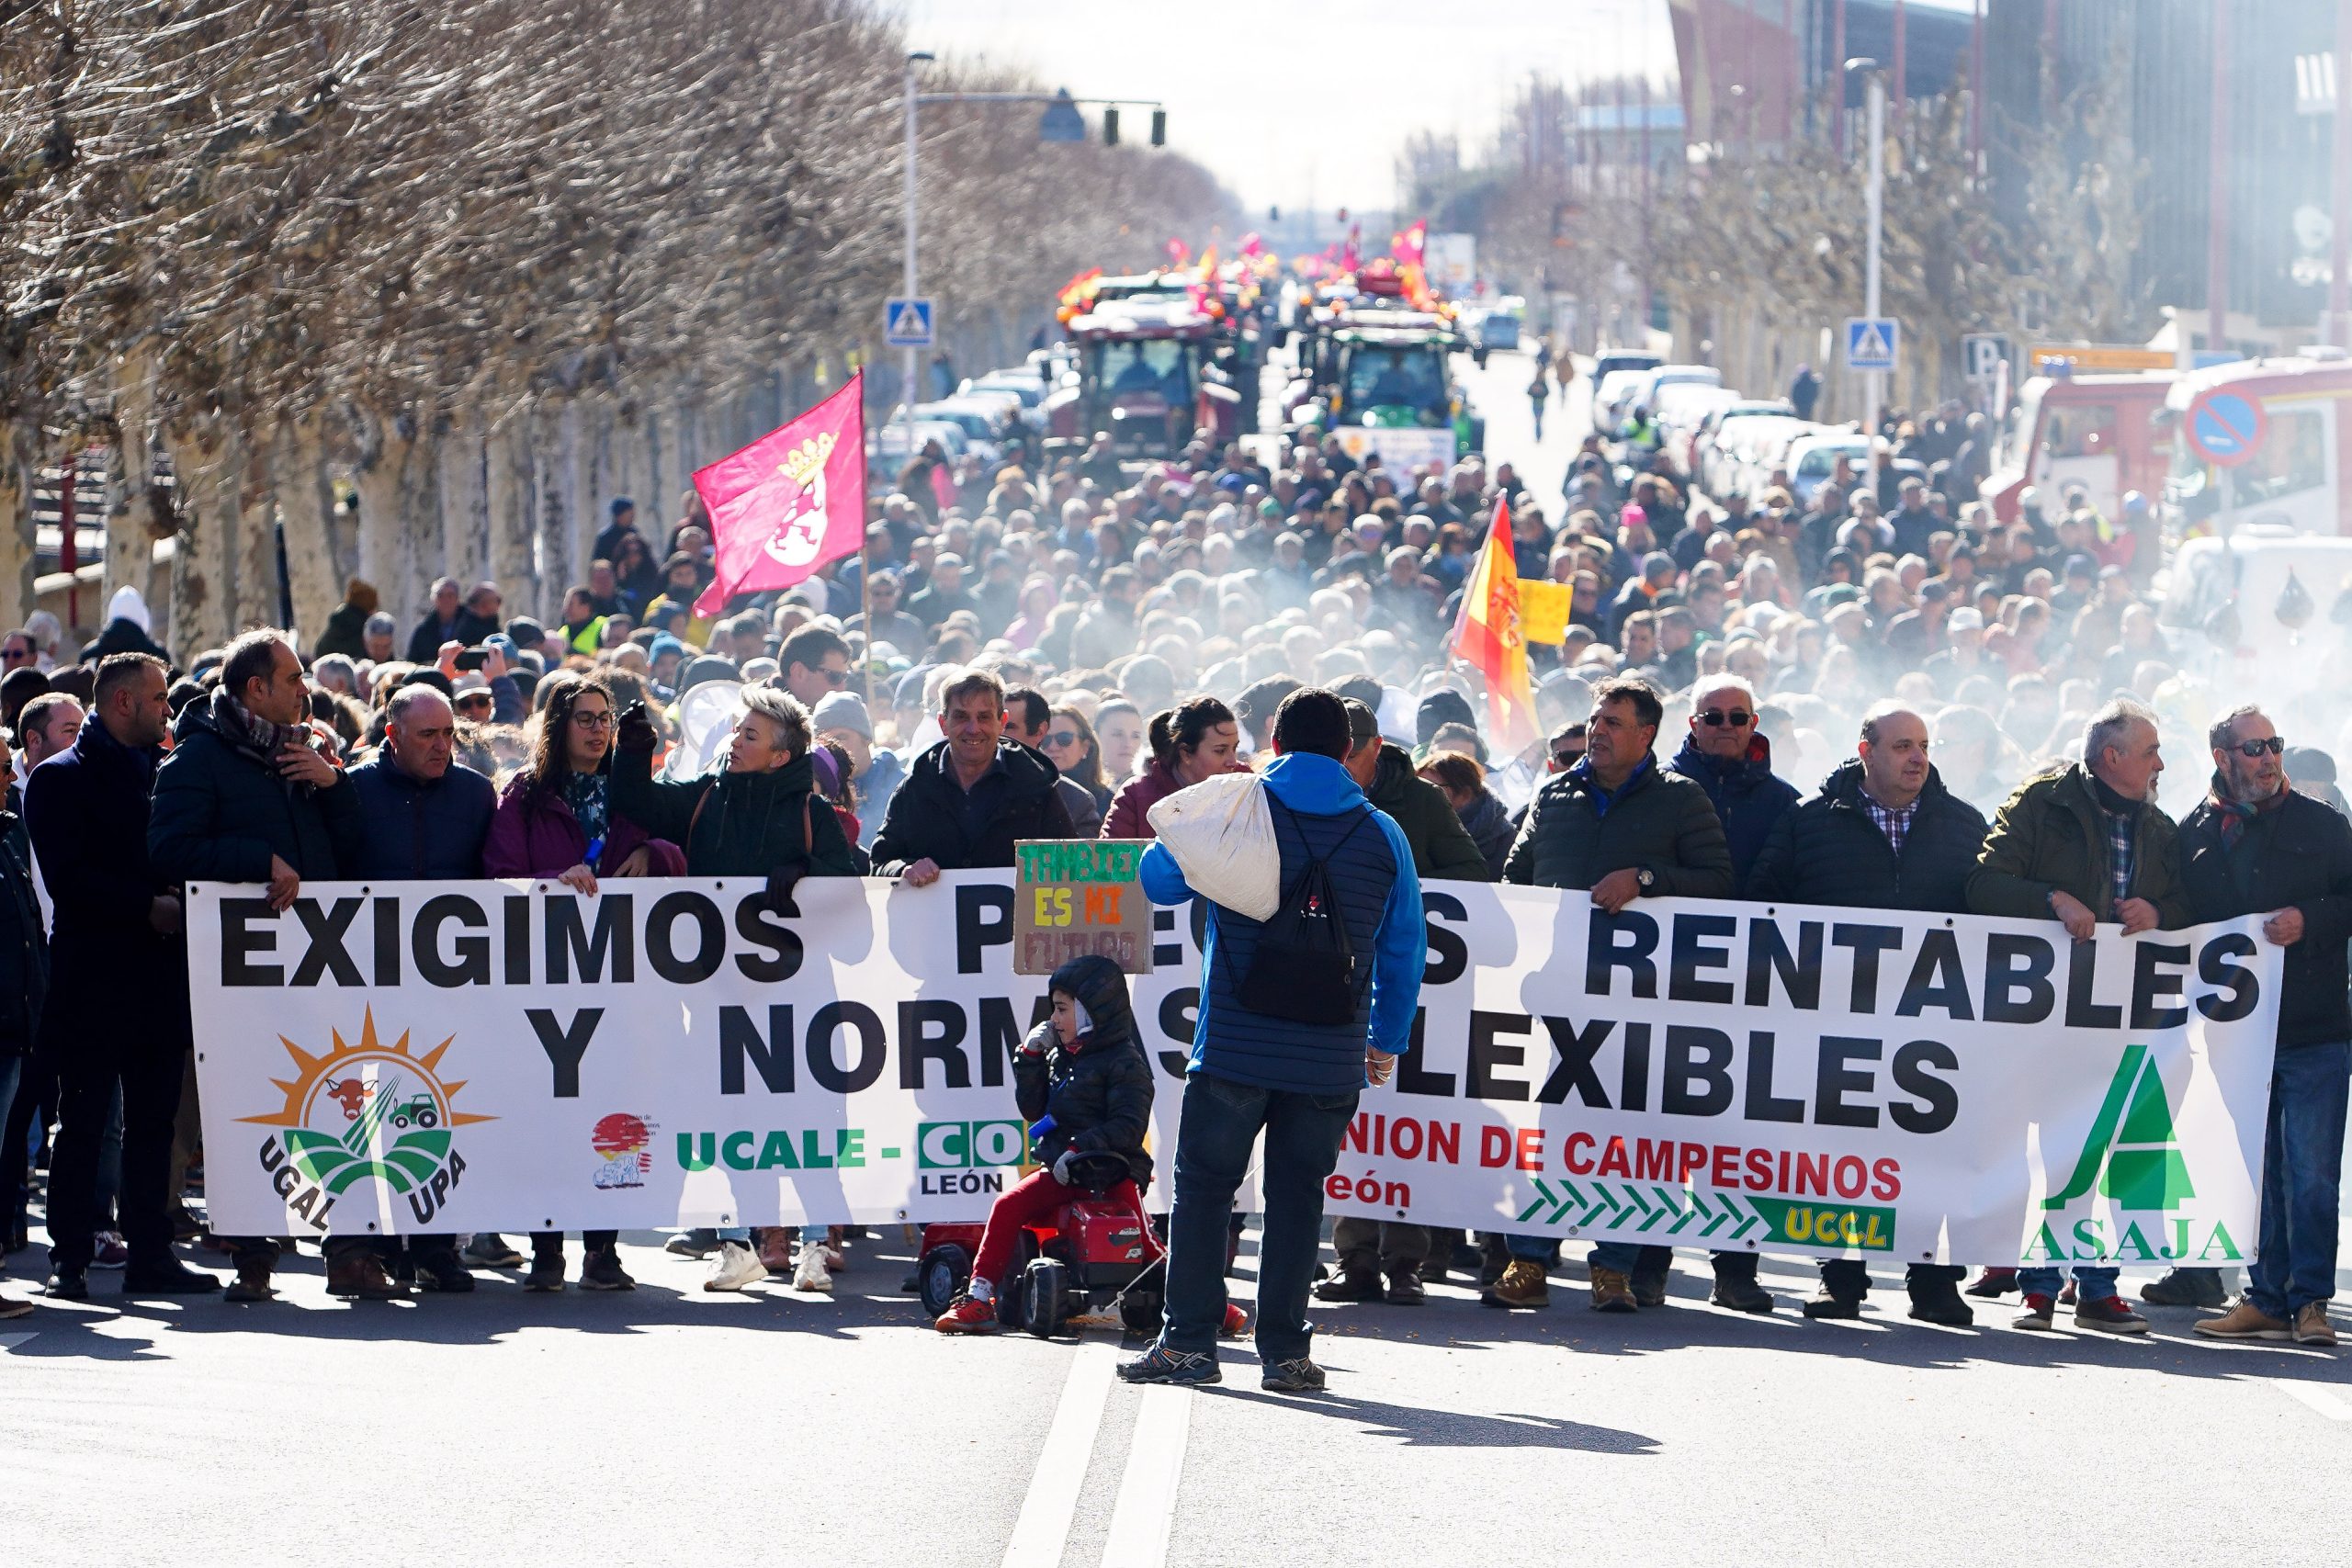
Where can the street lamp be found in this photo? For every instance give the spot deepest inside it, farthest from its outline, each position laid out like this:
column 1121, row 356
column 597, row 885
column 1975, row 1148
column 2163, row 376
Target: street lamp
column 917, row 59
column 1874, row 383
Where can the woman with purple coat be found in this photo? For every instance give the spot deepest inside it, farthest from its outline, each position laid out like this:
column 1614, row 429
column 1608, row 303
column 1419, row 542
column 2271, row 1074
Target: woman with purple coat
column 555, row 820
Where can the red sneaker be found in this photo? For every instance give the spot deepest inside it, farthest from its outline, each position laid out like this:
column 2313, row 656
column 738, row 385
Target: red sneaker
column 1236, row 1321
column 2035, row 1315
column 1993, row 1284
column 967, row 1316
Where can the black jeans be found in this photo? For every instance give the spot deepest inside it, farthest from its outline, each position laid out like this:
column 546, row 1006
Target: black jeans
column 150, row 1075
column 544, row 1242
column 1222, row 1120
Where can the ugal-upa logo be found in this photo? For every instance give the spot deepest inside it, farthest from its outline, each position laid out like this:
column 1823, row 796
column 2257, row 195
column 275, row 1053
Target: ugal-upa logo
column 365, row 1110
column 2131, row 1158
column 624, row 1145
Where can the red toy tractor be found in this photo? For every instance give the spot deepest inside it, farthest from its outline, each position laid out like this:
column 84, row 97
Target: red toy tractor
column 1094, row 1251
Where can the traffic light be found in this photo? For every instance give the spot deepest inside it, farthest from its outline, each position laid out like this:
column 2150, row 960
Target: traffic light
column 1111, row 127
column 1159, row 128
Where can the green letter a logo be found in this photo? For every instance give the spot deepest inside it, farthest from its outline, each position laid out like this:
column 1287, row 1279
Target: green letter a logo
column 2139, row 1163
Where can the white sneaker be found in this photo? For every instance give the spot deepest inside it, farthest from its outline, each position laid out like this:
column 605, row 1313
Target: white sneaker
column 737, row 1266
column 810, row 1273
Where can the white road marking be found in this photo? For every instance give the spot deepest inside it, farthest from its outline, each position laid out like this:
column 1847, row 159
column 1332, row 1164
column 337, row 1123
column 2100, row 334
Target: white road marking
column 1043, row 1529
column 1146, row 1509
column 2316, row 1397
column 10, row 1341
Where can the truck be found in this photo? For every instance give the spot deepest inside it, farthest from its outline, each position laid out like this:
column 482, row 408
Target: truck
column 1150, row 373
column 2099, row 431
column 1391, row 391
column 2294, row 478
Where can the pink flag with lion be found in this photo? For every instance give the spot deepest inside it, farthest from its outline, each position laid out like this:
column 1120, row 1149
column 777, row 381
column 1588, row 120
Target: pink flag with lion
column 790, row 501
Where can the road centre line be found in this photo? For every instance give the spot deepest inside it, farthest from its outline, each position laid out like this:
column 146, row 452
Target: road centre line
column 1041, row 1531
column 1146, row 1509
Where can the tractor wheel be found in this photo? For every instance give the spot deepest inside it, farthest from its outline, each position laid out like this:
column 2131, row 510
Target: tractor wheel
column 428, row 1117
column 941, row 1274
column 1045, row 1297
column 1139, row 1313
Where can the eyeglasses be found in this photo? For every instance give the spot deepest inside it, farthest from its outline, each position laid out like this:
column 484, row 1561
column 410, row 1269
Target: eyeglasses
column 2257, row 748
column 476, row 699
column 15, row 654
column 1061, row 737
column 588, row 720
column 1716, row 718
column 836, row 678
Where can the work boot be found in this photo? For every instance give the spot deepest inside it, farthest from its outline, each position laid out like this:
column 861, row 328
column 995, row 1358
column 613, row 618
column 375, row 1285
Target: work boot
column 1354, row 1281
column 362, row 1277
column 2186, row 1288
column 1937, row 1301
column 2243, row 1321
column 1735, row 1285
column 14, row 1306
column 1611, row 1292
column 167, row 1276
column 443, row 1273
column 1405, row 1287
column 2312, row 1326
column 775, row 1245
column 1648, row 1286
column 252, row 1283
column 1522, row 1285
column 1993, row 1283
column 1828, row 1303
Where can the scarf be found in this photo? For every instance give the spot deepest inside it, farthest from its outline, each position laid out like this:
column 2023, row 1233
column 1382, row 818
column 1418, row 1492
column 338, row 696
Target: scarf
column 241, row 726
column 2237, row 815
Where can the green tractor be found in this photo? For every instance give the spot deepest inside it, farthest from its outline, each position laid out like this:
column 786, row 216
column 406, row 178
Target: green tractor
column 419, row 1111
column 1399, row 378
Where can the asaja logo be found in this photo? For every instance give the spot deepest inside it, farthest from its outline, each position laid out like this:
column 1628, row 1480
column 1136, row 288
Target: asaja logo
column 2131, row 1158
column 365, row 1110
column 625, row 1141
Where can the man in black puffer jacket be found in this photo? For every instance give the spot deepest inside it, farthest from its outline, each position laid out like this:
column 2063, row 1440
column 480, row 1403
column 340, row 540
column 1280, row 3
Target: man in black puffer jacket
column 1725, row 755
column 1081, row 1074
column 968, row 799
column 1883, row 834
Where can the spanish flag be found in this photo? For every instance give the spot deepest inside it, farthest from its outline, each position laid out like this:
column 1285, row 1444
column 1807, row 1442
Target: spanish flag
column 1486, row 637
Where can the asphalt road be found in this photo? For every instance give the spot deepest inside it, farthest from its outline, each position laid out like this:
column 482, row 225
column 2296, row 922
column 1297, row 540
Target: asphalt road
column 670, row 1426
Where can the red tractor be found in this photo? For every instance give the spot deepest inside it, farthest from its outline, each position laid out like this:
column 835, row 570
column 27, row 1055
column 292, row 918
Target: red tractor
column 1151, row 373
column 1093, row 1252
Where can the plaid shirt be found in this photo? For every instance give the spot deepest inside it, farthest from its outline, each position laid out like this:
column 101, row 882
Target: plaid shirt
column 1896, row 824
column 2119, row 839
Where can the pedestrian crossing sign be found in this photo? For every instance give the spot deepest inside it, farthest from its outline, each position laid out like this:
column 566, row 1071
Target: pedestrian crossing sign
column 906, row 324
column 1871, row 343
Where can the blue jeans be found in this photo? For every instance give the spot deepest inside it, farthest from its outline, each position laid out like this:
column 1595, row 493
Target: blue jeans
column 1221, row 1121
column 2303, row 1161
column 2090, row 1284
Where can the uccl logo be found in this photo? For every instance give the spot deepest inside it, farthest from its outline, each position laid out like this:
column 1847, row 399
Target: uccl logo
column 2131, row 1158
column 365, row 1110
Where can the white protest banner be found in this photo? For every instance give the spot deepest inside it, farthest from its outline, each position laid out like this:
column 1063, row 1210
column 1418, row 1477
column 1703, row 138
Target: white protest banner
column 451, row 1056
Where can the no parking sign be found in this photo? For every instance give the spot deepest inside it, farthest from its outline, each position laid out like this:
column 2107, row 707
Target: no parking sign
column 2226, row 427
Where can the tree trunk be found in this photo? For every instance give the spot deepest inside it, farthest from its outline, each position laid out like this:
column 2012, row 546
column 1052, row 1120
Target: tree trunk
column 19, row 464
column 513, row 528
column 131, row 535
column 204, row 591
column 462, row 505
column 381, row 485
column 261, row 594
column 304, row 510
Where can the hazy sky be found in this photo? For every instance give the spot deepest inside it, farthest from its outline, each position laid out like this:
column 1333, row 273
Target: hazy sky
column 1300, row 101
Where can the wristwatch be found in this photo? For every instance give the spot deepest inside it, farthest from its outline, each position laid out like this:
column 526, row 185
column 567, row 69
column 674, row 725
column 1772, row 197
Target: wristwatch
column 1646, row 878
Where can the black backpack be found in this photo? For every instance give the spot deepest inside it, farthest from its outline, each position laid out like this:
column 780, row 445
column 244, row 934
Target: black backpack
column 1305, row 966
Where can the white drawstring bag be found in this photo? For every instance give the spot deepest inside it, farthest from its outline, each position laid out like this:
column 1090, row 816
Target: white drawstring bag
column 1223, row 837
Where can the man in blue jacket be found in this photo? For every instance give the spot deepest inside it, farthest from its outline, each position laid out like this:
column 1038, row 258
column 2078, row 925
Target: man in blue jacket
column 1294, row 1079
column 424, row 817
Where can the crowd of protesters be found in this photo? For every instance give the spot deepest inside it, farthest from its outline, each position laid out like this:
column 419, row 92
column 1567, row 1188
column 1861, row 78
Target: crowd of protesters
column 1879, row 697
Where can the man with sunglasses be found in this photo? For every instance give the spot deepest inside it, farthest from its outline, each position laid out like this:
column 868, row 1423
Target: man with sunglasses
column 1027, row 717
column 2256, row 847
column 815, row 664
column 1727, row 756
